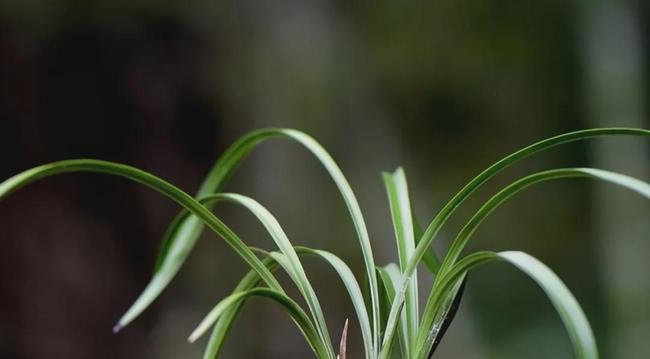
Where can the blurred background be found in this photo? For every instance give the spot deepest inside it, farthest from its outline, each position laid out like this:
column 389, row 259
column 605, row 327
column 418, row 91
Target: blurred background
column 443, row 88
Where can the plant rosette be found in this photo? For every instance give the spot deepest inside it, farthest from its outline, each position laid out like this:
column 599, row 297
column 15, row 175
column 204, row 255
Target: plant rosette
column 388, row 314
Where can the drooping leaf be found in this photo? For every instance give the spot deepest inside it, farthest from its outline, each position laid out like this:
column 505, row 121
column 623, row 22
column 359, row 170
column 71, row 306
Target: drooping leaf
column 431, row 310
column 566, row 305
column 507, row 192
column 201, row 214
column 445, row 213
column 180, row 242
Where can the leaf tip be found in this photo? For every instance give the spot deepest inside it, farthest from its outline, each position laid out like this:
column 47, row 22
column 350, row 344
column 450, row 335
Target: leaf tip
column 196, row 334
column 344, row 339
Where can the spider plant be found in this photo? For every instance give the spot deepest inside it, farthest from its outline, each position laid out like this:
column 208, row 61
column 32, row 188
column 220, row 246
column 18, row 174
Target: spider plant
column 389, row 310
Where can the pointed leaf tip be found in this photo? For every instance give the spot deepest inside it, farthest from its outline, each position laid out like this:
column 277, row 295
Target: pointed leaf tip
column 344, row 339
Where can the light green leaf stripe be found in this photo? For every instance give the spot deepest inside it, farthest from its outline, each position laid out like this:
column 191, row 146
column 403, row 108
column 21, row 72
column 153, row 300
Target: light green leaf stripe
column 183, row 239
column 186, row 201
column 439, row 220
column 400, row 208
column 564, row 302
column 292, row 308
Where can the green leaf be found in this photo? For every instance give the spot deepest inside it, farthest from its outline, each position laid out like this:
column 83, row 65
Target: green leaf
column 354, row 291
column 495, row 201
column 400, row 208
column 430, row 259
column 390, row 277
column 447, row 313
column 225, row 321
column 271, row 259
column 291, row 307
column 293, row 265
column 564, row 302
column 445, row 213
column 202, row 214
column 180, row 242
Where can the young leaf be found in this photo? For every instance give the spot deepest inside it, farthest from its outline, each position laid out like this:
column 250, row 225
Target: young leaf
column 400, row 208
column 344, row 342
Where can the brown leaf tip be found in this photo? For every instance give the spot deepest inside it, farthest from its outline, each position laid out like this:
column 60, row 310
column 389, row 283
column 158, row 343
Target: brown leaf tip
column 344, row 339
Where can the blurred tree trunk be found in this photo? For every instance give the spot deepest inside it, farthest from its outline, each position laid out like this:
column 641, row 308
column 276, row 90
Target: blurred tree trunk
column 615, row 96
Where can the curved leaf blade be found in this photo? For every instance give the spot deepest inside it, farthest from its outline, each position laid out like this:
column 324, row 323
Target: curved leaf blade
column 519, row 185
column 183, row 239
column 252, row 279
column 572, row 315
column 166, row 273
column 445, row 213
column 638, row 186
column 292, row 308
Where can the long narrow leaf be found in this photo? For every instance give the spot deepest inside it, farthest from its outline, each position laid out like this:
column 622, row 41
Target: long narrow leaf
column 226, row 320
column 183, row 239
column 466, row 232
column 251, row 280
column 390, row 277
column 400, row 208
column 447, row 314
column 165, row 274
column 430, row 259
column 564, row 302
column 495, row 201
column 292, row 308
column 445, row 213
column 354, row 291
column 295, row 268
